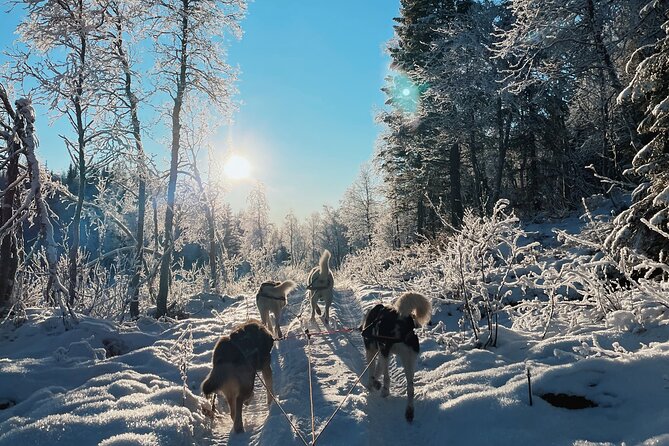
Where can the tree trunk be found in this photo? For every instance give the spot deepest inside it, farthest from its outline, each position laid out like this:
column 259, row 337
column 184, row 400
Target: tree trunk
column 133, row 290
column 596, row 30
column 81, row 155
column 213, row 258
column 420, row 215
column 166, row 264
column 627, row 113
column 532, row 190
column 480, row 183
column 9, row 256
column 27, row 135
column 211, row 229
column 503, row 131
column 457, row 210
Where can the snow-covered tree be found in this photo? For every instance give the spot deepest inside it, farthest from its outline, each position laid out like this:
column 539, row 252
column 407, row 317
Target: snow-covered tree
column 312, row 230
column 462, row 81
column 360, row 208
column 574, row 47
column 190, row 56
column 17, row 132
column 645, row 225
column 65, row 37
column 294, row 238
column 410, row 148
column 124, row 25
column 256, row 224
column 333, row 234
column 206, row 191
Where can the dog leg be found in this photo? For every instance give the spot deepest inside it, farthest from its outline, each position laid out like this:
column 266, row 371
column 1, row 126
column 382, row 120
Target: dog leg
column 238, row 425
column 231, row 398
column 264, row 316
column 267, row 377
column 328, row 302
column 384, row 360
column 277, row 328
column 374, row 383
column 314, row 305
column 409, row 363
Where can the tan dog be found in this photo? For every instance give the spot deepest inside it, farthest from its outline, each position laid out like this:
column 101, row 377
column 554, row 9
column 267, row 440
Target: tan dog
column 235, row 360
column 272, row 297
column 320, row 286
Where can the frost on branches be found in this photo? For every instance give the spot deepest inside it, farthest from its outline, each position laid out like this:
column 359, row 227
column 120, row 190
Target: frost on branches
column 644, row 226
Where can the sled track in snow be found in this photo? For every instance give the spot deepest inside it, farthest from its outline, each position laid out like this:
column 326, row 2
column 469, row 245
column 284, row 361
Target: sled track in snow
column 336, row 361
column 219, row 429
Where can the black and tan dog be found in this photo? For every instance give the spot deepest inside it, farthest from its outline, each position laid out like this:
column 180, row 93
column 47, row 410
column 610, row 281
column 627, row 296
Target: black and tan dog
column 389, row 330
column 235, row 360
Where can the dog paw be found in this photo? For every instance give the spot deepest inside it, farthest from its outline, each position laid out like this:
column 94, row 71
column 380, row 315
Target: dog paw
column 239, row 429
column 385, row 392
column 409, row 414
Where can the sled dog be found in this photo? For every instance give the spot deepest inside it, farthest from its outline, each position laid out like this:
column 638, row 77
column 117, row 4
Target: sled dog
column 272, row 297
column 389, row 330
column 320, row 284
column 235, row 360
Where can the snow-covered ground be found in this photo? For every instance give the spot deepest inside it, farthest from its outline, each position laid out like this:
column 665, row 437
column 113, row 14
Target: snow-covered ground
column 101, row 383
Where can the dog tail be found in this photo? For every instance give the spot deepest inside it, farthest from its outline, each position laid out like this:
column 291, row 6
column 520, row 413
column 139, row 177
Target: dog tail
column 210, row 384
column 416, row 305
column 286, row 287
column 324, row 263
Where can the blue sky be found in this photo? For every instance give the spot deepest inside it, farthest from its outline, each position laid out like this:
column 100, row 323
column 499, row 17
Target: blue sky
column 311, row 73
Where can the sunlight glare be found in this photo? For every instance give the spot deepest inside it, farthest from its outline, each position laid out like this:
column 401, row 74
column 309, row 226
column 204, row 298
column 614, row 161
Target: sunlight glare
column 237, row 168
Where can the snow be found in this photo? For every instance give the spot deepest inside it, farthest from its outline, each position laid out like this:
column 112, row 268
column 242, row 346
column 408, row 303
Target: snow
column 105, row 383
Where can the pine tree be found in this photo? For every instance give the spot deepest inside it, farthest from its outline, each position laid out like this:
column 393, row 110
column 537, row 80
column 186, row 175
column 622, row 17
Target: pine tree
column 412, row 153
column 645, row 225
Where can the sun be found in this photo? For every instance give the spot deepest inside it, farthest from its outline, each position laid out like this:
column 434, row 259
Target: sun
column 237, row 168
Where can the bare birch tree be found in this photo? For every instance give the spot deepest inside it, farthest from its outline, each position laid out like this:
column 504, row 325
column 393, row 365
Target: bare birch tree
column 63, row 35
column 191, row 61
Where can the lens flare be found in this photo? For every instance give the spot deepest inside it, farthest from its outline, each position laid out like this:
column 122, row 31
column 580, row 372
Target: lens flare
column 402, row 93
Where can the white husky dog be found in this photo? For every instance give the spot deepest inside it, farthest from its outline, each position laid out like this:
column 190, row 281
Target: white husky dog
column 320, row 284
column 272, row 297
column 389, row 330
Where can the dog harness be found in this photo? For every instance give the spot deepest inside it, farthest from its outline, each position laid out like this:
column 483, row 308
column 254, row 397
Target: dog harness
column 283, row 299
column 273, row 284
column 366, row 332
column 312, row 287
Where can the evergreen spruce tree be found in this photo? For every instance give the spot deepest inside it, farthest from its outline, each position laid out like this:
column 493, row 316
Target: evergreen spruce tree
column 645, row 225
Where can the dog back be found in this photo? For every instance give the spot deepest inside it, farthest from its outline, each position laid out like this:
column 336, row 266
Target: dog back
column 250, row 343
column 383, row 326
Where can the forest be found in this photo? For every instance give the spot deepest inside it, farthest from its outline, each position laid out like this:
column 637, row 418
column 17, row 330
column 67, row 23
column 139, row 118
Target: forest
column 520, row 180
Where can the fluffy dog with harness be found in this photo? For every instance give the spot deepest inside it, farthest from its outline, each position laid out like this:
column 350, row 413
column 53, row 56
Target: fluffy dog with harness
column 387, row 330
column 235, row 360
column 272, row 297
column 320, row 286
